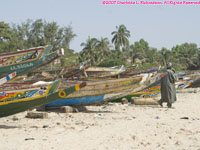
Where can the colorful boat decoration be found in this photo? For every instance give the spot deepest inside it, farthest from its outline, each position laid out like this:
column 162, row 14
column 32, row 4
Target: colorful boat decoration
column 192, row 83
column 7, row 78
column 9, row 60
column 26, row 66
column 14, row 92
column 152, row 89
column 150, row 92
column 101, row 91
column 21, row 100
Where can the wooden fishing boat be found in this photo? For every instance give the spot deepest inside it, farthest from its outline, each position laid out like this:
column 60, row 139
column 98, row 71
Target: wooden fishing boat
column 193, row 83
column 48, row 74
column 150, row 92
column 152, row 88
column 101, row 91
column 28, row 66
column 75, row 70
column 12, row 102
column 13, row 61
column 132, row 70
column 103, row 72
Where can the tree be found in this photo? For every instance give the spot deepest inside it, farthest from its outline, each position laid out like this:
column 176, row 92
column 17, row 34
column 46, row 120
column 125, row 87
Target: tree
column 103, row 49
column 69, row 36
column 89, row 51
column 120, row 37
column 139, row 49
column 6, row 38
column 40, row 33
column 188, row 55
column 165, row 56
column 69, row 56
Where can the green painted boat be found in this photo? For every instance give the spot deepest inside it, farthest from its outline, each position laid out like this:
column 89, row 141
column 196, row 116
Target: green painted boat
column 21, row 61
column 28, row 66
column 16, row 105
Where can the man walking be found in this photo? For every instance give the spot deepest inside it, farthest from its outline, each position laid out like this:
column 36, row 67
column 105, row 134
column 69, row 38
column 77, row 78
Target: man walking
column 168, row 91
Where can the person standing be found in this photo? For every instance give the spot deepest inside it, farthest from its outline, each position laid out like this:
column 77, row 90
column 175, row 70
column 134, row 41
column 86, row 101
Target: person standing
column 168, row 90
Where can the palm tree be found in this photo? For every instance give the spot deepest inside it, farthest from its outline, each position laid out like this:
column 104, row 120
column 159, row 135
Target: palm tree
column 89, row 50
column 103, row 49
column 120, row 38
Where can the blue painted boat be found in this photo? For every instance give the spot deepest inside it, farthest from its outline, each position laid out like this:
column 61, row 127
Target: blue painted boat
column 77, row 101
column 100, row 92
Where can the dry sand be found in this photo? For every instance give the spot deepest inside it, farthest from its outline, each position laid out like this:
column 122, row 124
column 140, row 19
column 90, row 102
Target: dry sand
column 109, row 127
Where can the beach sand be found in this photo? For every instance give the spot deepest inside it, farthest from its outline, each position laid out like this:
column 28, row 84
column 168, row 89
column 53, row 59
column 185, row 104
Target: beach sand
column 109, row 127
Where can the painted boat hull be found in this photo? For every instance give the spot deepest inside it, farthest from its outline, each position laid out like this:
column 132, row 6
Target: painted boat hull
column 152, row 89
column 17, row 106
column 10, row 62
column 28, row 66
column 100, row 92
column 87, row 100
column 76, row 101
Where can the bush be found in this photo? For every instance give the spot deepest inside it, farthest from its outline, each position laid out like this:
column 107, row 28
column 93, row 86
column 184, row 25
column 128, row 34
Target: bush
column 111, row 63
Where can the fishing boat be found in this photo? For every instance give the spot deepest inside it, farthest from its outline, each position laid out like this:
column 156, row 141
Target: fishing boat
column 152, row 88
column 21, row 69
column 14, row 100
column 104, row 72
column 75, row 70
column 133, row 70
column 101, row 91
column 193, row 83
column 15, row 61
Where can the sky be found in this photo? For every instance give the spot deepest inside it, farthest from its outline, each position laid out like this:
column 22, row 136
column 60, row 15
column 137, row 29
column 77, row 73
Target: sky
column 160, row 25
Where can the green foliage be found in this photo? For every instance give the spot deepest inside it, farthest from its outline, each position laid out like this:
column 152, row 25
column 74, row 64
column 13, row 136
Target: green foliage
column 98, row 51
column 111, row 63
column 37, row 33
column 6, row 38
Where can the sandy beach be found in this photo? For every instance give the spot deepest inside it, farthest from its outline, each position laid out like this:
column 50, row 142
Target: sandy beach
column 109, row 127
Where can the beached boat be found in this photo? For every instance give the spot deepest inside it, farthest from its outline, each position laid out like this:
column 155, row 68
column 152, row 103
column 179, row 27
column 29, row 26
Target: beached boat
column 31, row 65
column 193, row 83
column 152, row 89
column 45, row 74
column 14, row 100
column 75, row 70
column 101, row 91
column 132, row 70
column 14, row 61
column 104, row 72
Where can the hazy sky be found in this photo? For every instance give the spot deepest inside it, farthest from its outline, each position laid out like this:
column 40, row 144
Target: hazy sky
column 160, row 25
